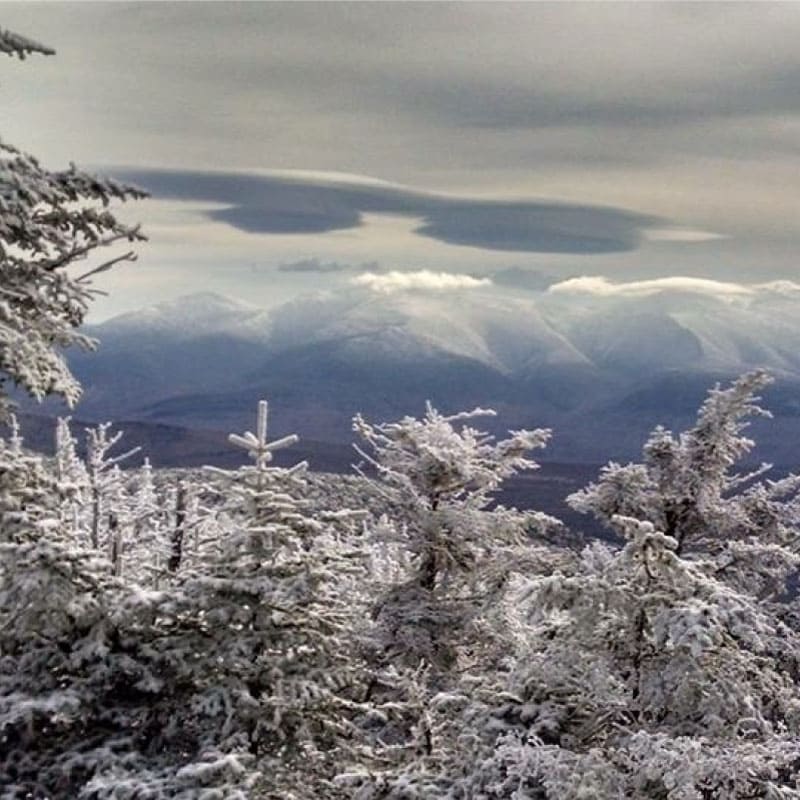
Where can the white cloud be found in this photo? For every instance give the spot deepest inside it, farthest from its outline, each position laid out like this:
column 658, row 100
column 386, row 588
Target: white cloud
column 601, row 286
column 681, row 235
column 422, row 280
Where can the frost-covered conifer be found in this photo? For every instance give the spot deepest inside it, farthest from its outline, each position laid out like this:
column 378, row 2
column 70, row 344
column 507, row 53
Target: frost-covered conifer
column 257, row 636
column 686, row 488
column 72, row 478
column 27, row 498
column 665, row 669
column 50, row 599
column 148, row 515
column 69, row 467
column 645, row 677
column 146, row 501
column 104, row 479
column 437, row 479
column 49, row 222
column 442, row 631
column 86, row 690
column 77, row 685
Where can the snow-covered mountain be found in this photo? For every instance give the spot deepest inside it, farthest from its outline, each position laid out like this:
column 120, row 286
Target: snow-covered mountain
column 192, row 316
column 512, row 335
column 568, row 359
column 684, row 329
column 502, row 333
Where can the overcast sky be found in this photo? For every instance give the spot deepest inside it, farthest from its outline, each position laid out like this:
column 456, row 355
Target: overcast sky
column 631, row 141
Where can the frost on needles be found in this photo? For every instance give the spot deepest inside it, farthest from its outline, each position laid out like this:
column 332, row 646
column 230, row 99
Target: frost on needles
column 667, row 668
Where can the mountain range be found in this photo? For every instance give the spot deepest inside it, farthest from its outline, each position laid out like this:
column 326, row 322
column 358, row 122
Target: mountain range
column 600, row 367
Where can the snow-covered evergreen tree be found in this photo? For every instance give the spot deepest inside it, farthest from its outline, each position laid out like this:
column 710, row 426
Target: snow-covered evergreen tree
column 442, row 631
column 72, row 478
column 104, row 480
column 51, row 602
column 257, row 636
column 148, row 519
column 28, row 498
column 437, row 478
column 686, row 488
column 77, row 679
column 665, row 669
column 49, row 222
column 87, row 695
column 147, row 506
column 55, row 673
column 646, row 677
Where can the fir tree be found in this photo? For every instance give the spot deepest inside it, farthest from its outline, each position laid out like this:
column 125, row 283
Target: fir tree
column 686, row 487
column 438, row 481
column 664, row 669
column 72, row 478
column 442, row 630
column 104, row 479
column 49, row 223
column 646, row 677
column 257, row 635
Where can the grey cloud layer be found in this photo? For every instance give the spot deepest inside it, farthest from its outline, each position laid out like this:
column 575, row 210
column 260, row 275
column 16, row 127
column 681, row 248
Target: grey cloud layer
column 369, row 76
column 690, row 111
column 281, row 205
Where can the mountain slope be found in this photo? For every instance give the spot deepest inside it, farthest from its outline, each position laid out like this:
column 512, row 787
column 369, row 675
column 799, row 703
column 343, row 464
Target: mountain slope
column 600, row 370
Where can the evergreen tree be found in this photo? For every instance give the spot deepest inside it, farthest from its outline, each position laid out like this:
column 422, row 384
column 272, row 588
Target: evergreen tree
column 664, row 670
column 442, row 630
column 256, row 637
column 51, row 604
column 73, row 480
column 438, row 481
column 104, row 480
column 645, row 677
column 686, row 488
column 49, row 222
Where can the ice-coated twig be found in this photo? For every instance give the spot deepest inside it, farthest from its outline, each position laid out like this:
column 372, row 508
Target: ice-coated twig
column 257, row 446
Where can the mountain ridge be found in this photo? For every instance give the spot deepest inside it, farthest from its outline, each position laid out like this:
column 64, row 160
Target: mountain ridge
column 582, row 365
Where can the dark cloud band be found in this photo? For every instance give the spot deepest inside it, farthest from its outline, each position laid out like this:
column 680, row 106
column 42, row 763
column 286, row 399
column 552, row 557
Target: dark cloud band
column 288, row 205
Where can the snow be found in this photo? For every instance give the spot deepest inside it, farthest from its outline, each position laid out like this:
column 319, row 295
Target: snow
column 508, row 333
column 191, row 316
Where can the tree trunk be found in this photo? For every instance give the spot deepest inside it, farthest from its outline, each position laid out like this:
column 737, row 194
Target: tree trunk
column 176, row 548
column 95, row 532
column 115, row 544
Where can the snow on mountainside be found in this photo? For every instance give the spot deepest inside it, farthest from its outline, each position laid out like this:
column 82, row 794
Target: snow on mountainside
column 502, row 333
column 189, row 317
column 513, row 335
column 600, row 369
column 685, row 329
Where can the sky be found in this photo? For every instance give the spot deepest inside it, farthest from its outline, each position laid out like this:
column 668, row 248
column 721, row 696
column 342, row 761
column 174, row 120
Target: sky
column 297, row 147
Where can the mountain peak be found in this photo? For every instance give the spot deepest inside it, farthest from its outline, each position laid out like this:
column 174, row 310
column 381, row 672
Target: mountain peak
column 189, row 315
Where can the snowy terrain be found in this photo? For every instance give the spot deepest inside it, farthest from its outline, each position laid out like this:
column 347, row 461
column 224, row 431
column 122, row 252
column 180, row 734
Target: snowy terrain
column 601, row 369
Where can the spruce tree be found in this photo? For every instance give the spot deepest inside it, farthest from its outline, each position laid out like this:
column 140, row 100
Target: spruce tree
column 51, row 222
column 664, row 670
column 442, row 629
column 258, row 634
